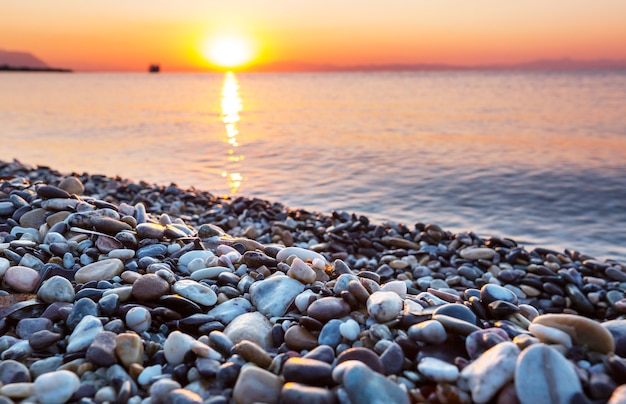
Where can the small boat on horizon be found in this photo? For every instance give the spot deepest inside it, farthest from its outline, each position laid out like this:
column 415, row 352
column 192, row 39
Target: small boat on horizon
column 154, row 68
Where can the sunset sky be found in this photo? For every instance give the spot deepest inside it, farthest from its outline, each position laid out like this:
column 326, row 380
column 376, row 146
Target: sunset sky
column 129, row 35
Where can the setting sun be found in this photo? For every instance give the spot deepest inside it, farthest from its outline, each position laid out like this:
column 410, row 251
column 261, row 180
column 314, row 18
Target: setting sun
column 229, row 51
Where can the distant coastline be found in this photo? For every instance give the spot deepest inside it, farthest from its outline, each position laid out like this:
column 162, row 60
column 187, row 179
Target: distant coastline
column 8, row 68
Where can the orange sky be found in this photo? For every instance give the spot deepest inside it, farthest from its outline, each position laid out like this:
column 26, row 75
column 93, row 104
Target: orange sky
column 128, row 35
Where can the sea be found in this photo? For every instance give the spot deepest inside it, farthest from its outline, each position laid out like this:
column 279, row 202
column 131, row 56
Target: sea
column 539, row 157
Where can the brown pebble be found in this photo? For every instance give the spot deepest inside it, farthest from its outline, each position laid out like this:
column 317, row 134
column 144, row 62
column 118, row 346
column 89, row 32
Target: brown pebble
column 253, row 353
column 299, row 338
column 328, row 308
column 150, row 287
column 582, row 330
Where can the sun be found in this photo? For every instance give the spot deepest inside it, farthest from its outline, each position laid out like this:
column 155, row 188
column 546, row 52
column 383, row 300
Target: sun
column 228, row 51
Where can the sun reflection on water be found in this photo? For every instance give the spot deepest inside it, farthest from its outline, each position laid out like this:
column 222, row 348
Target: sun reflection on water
column 231, row 106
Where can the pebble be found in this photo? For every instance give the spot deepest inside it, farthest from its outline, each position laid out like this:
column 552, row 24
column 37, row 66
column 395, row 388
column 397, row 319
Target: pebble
column 297, row 393
column 477, row 253
column 485, row 376
column 21, row 279
column 301, row 271
column 308, row 371
column 274, row 295
column 543, row 375
column 438, row 370
column 99, row 270
column 377, row 389
column 257, row 385
column 129, row 349
column 196, row 292
column 56, row 289
column 301, row 253
column 150, row 287
column 12, row 371
column 328, row 308
column 350, row 330
column 583, row 331
column 254, row 327
column 138, row 319
column 384, row 306
column 429, row 331
column 56, row 387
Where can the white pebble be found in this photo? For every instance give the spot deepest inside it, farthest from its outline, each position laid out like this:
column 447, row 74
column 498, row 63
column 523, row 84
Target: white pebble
column 350, row 330
column 138, row 319
column 550, row 335
column 438, row 370
column 384, row 306
column 176, row 347
column 398, row 287
column 56, row 387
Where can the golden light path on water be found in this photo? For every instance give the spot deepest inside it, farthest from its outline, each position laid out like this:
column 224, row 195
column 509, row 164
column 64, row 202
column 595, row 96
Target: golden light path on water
column 231, row 106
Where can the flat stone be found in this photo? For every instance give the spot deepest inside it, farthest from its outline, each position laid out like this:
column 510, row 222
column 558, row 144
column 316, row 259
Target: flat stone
column 21, row 279
column 366, row 386
column 150, row 230
column 83, row 307
column 108, row 225
column 297, row 393
column 28, row 326
column 195, row 291
column 56, row 289
column 229, row 310
column 274, row 295
column 438, row 370
column 187, row 257
column 364, row 355
column 491, row 292
column 84, row 334
column 100, row 270
column 328, row 308
column 477, row 253
column 308, row 371
column 429, row 331
column 34, row 218
column 393, row 359
column 251, row 352
column 490, row 372
column 582, row 330
column 150, row 287
column 384, row 306
column 56, row 387
column 543, row 375
column 44, row 339
column 256, row 385
column 254, row 327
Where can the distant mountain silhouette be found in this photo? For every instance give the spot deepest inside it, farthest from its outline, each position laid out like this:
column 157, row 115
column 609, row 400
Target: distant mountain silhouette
column 542, row 64
column 21, row 59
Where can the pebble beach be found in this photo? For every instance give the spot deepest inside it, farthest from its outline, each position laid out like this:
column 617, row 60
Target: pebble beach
column 130, row 292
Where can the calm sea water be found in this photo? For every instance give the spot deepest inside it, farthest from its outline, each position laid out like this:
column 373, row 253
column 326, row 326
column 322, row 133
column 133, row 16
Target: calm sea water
column 538, row 157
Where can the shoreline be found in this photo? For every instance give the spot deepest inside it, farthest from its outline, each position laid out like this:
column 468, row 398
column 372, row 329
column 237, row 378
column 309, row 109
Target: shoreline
column 146, row 292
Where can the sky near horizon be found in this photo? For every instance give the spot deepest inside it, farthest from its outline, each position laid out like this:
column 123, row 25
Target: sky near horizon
column 129, row 35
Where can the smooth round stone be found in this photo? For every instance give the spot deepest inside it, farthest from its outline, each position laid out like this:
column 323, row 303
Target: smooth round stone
column 322, row 353
column 187, row 257
column 365, row 386
column 176, row 347
column 4, row 265
column 208, row 273
column 491, row 292
column 550, row 335
column 300, row 271
column 129, row 349
column 478, row 253
column 299, row 338
column 56, row 289
column 543, row 375
column 21, row 279
column 196, row 292
column 297, row 393
column 72, row 185
column 398, row 287
column 150, row 230
column 308, row 371
column 45, row 365
column 183, row 396
column 384, row 306
column 458, row 311
column 138, row 319
column 33, row 219
column 99, row 271
column 6, row 208
column 274, row 295
column 350, row 330
column 56, row 387
column 254, row 327
column 490, row 372
column 84, row 333
column 328, row 308
column 438, row 370
column 161, row 388
column 364, row 355
column 17, row 390
column 12, row 371
column 123, row 254
column 617, row 328
column 579, row 300
column 257, row 385
column 301, row 253
column 429, row 331
column 582, row 330
column 148, row 374
column 342, row 282
column 28, row 326
column 152, row 251
column 251, row 352
column 44, row 339
column 330, row 334
column 108, row 225
column 83, row 307
column 229, row 310
column 101, row 352
column 150, row 287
